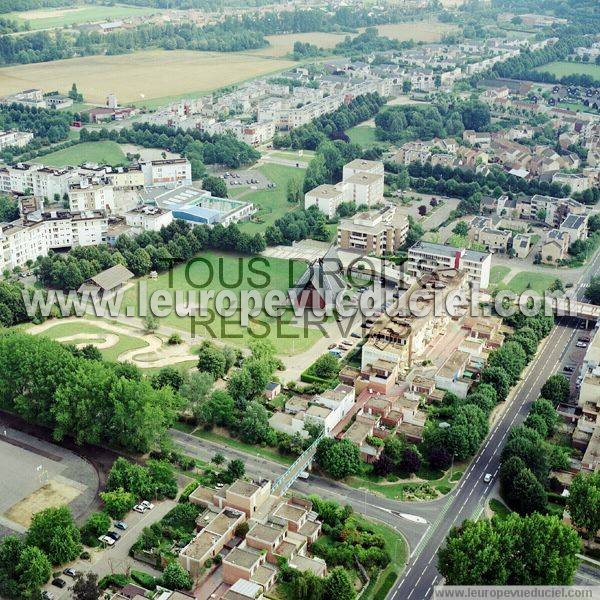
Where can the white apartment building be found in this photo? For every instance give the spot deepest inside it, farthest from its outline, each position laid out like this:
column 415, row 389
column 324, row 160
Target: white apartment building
column 37, row 180
column 14, row 138
column 170, row 172
column 360, row 165
column 425, row 257
column 40, row 232
column 326, row 198
column 364, row 188
column 148, row 218
column 94, row 194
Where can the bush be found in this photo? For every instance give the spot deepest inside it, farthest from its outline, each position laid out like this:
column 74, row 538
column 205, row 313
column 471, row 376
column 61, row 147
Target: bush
column 187, row 490
column 85, row 555
column 114, row 580
column 144, row 579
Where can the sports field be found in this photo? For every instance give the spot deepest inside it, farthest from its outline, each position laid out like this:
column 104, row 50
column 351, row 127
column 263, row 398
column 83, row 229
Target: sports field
column 102, row 153
column 141, row 75
column 564, row 68
column 49, row 18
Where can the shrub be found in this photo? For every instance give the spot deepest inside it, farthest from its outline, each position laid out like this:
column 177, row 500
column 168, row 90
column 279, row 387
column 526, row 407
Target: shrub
column 114, row 580
column 85, row 555
column 144, row 579
column 187, row 490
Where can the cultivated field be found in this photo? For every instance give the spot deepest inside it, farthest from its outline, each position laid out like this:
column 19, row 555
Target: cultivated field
column 102, row 153
column 281, row 45
column 422, row 31
column 563, row 68
column 49, row 18
column 141, row 75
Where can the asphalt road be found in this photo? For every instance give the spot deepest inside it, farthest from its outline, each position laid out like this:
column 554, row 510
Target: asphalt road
column 469, row 498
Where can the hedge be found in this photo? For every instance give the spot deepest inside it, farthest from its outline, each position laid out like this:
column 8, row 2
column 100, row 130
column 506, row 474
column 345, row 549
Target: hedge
column 386, row 586
column 144, row 579
column 187, row 490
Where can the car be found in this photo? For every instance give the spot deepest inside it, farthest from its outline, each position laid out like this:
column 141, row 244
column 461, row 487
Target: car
column 583, row 339
column 355, row 335
column 569, row 285
column 331, row 346
column 107, row 540
column 120, row 525
column 147, row 504
column 568, row 369
column 581, row 345
column 59, row 583
column 47, row 595
column 487, row 477
column 139, row 508
column 114, row 535
column 219, row 485
column 303, row 475
column 70, row 572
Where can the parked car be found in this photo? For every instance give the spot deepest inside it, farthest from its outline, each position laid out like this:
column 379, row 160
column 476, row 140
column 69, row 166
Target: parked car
column 355, row 335
column 584, row 339
column 581, row 345
column 120, row 525
column 47, row 595
column 114, row 535
column 59, row 583
column 147, row 504
column 70, row 572
column 107, row 540
column 139, row 508
column 568, row 369
column 303, row 475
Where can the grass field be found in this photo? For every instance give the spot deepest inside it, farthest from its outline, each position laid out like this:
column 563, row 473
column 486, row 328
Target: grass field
column 363, row 135
column 563, row 68
column 272, row 204
column 63, row 330
column 538, row 282
column 216, row 272
column 497, row 274
column 179, row 73
column 104, row 153
column 282, row 45
column 48, row 18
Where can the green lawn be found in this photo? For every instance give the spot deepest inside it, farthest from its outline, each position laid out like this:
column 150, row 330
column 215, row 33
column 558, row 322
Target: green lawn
column 124, row 344
column 563, row 68
column 499, row 508
column 48, row 18
column 363, row 135
column 231, row 272
column 538, row 282
column 106, row 152
column 497, row 274
column 272, row 204
column 293, row 155
column 268, row 453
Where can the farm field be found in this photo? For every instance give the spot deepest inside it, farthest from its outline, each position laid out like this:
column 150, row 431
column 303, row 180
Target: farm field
column 272, row 204
column 48, row 18
column 421, row 31
column 104, row 153
column 216, row 272
column 563, row 68
column 281, row 45
column 181, row 72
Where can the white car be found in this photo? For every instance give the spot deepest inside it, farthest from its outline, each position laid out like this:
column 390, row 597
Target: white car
column 581, row 345
column 147, row 504
column 140, row 508
column 107, row 540
column 487, row 477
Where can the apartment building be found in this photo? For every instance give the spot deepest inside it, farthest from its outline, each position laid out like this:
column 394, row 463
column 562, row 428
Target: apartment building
column 555, row 246
column 359, row 165
column 326, row 198
column 169, row 172
column 425, row 257
column 148, row 218
column 277, row 528
column 92, row 194
column 363, row 188
column 37, row 180
column 14, row 138
column 575, row 226
column 376, row 232
column 495, row 240
column 39, row 232
column 400, row 338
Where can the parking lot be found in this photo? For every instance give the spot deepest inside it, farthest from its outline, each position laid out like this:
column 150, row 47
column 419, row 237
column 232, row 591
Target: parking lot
column 253, row 179
column 573, row 355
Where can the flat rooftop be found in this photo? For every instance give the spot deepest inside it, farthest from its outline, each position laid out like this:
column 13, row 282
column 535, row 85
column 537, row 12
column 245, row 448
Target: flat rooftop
column 243, row 557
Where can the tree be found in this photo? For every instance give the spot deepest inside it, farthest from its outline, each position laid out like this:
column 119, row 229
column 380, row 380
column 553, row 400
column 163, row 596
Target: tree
column 86, row 587
column 217, row 410
column 118, row 502
column 520, row 488
column 218, row 459
column 235, row 470
column 170, row 376
column 531, row 550
column 195, row 389
column 326, row 366
column 254, row 426
column 176, row 578
column 529, row 446
column 556, row 389
column 461, row 228
column 54, row 532
column 544, row 409
column 339, row 586
column 422, row 210
column 211, row 360
column 150, row 323
column 583, row 503
column 33, row 569
column 215, row 185
column 411, row 461
column 97, row 524
column 592, row 291
column 498, row 378
column 340, row 459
